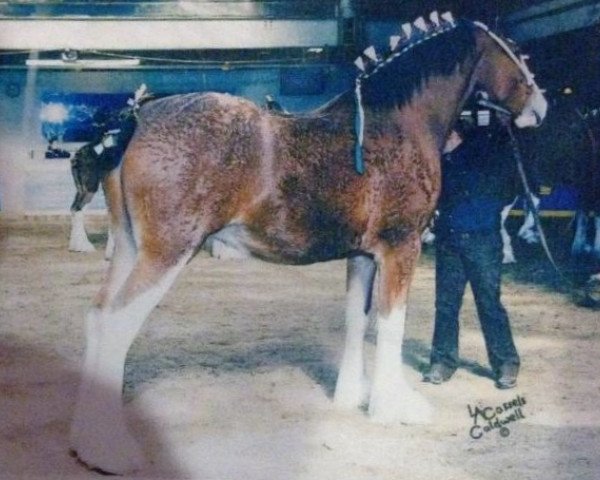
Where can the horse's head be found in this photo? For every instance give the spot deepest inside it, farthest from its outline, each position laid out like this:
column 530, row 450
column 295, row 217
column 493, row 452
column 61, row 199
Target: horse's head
column 505, row 77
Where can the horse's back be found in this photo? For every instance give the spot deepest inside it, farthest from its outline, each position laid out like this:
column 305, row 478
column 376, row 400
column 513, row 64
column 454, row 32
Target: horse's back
column 193, row 163
column 190, row 127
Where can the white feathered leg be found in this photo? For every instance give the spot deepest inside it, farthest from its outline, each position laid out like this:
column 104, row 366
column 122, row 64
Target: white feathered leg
column 99, row 434
column 580, row 237
column 392, row 398
column 78, row 241
column 596, row 245
column 110, row 245
column 527, row 231
column 352, row 387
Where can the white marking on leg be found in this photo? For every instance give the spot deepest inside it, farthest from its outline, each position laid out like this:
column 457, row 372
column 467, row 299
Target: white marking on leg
column 352, row 387
column 110, row 245
column 527, row 231
column 121, row 264
column 79, row 241
column 580, row 238
column 392, row 398
column 99, row 431
column 596, row 247
column 428, row 237
column 225, row 246
column 508, row 255
column 267, row 138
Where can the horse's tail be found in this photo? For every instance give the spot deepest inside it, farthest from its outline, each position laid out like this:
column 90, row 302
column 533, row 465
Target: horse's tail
column 119, row 217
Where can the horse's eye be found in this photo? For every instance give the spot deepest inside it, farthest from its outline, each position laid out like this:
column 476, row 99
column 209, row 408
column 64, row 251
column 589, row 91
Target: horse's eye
column 518, row 81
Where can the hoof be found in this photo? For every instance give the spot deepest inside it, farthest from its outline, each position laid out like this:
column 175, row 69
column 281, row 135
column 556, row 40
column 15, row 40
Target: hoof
column 73, row 454
column 120, row 464
column 117, row 455
column 83, row 247
column 349, row 397
column 403, row 406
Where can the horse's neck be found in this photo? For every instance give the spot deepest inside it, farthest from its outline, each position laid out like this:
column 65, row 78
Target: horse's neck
column 433, row 111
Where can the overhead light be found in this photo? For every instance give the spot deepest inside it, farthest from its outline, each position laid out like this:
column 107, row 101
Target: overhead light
column 83, row 63
column 54, row 113
column 69, row 55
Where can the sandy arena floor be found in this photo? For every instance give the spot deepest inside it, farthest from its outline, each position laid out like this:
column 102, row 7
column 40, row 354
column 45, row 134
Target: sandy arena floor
column 232, row 376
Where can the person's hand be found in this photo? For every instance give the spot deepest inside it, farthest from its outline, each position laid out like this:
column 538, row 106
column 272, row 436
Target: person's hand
column 453, row 141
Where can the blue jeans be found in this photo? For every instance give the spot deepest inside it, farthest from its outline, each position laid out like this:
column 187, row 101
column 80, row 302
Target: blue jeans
column 475, row 258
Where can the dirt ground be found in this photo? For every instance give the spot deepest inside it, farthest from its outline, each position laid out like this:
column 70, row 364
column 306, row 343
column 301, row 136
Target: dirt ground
column 232, row 376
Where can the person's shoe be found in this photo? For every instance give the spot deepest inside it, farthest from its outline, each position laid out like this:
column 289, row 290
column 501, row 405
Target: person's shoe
column 438, row 373
column 507, row 376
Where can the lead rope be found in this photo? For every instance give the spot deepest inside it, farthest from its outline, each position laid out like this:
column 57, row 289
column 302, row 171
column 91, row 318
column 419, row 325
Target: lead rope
column 359, row 128
column 534, row 211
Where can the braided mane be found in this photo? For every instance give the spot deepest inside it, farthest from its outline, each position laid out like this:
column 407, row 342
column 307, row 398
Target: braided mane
column 396, row 79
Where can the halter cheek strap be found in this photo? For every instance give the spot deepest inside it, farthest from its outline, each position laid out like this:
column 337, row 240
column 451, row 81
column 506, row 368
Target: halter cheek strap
column 520, row 63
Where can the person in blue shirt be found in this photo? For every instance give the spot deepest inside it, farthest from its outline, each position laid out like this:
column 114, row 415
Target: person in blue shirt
column 477, row 167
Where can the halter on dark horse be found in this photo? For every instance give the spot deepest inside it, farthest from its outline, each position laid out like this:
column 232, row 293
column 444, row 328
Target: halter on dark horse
column 285, row 189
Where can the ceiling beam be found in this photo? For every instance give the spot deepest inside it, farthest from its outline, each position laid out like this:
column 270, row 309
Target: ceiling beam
column 88, row 34
column 551, row 18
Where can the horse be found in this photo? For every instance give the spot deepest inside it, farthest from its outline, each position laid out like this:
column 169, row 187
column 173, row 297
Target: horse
column 89, row 167
column 92, row 163
column 358, row 178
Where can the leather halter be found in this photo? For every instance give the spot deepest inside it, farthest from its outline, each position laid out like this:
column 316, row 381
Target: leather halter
column 502, row 44
column 484, row 99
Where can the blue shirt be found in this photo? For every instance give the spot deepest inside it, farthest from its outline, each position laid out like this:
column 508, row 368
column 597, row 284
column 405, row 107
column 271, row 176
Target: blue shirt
column 473, row 180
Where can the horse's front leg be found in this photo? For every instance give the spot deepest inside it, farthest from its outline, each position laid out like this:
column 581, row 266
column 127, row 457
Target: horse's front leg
column 392, row 398
column 352, row 387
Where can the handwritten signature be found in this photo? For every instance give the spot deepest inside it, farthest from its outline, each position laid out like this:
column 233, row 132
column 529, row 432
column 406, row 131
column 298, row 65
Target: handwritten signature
column 488, row 419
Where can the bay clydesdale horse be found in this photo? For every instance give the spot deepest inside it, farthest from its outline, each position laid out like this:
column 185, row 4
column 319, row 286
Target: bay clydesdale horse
column 285, row 189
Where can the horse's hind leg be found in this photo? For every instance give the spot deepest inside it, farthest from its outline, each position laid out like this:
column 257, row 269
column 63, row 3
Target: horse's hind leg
column 352, row 388
column 392, row 398
column 99, row 434
column 596, row 244
column 110, row 241
column 580, row 237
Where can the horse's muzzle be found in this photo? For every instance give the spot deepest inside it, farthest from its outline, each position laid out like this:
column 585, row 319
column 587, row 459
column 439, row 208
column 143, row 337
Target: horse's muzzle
column 534, row 112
